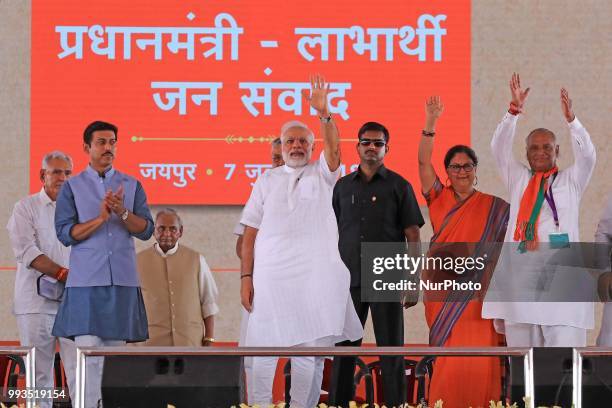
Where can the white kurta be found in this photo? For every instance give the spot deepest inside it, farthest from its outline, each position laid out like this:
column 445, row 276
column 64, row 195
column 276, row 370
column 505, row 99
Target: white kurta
column 301, row 284
column 31, row 229
column 568, row 188
column 32, row 232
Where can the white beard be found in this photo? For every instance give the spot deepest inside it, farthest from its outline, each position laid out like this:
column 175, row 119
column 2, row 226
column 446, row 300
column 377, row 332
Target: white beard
column 295, row 162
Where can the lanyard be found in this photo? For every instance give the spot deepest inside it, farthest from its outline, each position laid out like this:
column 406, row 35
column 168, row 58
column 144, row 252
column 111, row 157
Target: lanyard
column 550, row 199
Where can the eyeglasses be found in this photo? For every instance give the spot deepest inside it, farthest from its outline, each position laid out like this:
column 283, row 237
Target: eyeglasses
column 59, row 172
column 467, row 167
column 376, row 142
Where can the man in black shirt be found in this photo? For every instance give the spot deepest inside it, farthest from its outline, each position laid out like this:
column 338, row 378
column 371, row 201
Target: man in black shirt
column 373, row 204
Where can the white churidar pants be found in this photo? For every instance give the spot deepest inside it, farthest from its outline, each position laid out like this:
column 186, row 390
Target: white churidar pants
column 35, row 330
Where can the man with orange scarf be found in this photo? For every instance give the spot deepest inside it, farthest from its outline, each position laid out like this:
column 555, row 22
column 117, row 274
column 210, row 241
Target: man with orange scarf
column 544, row 208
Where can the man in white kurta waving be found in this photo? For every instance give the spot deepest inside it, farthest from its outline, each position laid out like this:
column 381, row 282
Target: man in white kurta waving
column 293, row 281
column 544, row 212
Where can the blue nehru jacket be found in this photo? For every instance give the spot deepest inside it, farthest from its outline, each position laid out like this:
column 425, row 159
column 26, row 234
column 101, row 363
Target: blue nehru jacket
column 102, row 295
column 108, row 256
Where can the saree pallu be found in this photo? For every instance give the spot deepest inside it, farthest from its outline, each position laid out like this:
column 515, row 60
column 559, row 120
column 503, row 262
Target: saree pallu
column 455, row 318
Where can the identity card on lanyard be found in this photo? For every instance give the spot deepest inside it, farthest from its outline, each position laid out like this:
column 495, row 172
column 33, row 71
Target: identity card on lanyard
column 558, row 239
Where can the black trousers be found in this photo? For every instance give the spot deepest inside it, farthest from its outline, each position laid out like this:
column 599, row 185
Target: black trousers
column 388, row 321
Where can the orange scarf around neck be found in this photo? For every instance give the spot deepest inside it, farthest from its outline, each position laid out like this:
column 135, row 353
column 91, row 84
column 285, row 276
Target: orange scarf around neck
column 526, row 231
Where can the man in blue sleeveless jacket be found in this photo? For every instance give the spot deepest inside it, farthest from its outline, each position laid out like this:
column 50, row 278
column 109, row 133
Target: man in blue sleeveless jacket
column 97, row 214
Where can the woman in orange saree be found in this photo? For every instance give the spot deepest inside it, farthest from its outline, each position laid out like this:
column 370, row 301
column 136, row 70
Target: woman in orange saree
column 461, row 214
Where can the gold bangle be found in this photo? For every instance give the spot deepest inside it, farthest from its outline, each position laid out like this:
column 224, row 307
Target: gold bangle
column 209, row 340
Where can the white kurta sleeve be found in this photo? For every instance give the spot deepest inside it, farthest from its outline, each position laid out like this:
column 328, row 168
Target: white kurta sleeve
column 584, row 155
column 239, row 229
column 208, row 290
column 501, row 145
column 253, row 212
column 23, row 235
column 329, row 176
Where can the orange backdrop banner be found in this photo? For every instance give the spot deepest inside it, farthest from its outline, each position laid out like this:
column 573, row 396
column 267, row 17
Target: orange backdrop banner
column 198, row 89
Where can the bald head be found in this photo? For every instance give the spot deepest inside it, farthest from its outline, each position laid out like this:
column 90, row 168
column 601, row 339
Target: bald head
column 542, row 149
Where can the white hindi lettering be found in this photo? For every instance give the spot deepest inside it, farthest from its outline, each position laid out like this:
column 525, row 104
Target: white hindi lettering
column 143, row 43
column 427, row 25
column 148, row 170
column 179, row 93
column 290, row 99
column 67, row 49
column 102, row 39
column 176, row 171
column 233, row 31
column 253, row 171
column 179, row 171
column 407, row 35
column 361, row 46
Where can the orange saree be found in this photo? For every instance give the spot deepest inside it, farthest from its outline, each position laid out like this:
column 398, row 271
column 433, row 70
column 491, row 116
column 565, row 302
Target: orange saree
column 464, row 381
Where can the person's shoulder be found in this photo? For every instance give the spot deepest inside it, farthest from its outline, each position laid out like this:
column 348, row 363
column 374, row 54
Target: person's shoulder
column 494, row 198
column 188, row 250
column 273, row 172
column 346, row 179
column 30, row 199
column 146, row 252
column 397, row 178
column 76, row 176
column 268, row 175
column 80, row 177
column 28, row 202
column 126, row 177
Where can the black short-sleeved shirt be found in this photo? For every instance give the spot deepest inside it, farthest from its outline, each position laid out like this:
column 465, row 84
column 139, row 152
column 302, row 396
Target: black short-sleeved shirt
column 374, row 211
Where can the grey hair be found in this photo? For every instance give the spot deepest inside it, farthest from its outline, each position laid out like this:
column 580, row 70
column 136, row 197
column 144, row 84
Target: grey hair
column 541, row 130
column 56, row 154
column 169, row 211
column 296, row 124
column 276, row 142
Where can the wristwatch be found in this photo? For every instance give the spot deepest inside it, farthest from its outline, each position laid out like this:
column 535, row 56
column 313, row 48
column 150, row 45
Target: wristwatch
column 125, row 214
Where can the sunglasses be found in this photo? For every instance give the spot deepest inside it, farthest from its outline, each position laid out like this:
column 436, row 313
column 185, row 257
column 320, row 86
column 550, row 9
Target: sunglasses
column 467, row 167
column 367, row 142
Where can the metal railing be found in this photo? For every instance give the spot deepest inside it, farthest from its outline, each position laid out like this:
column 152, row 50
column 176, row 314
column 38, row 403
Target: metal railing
column 579, row 353
column 83, row 353
column 30, row 373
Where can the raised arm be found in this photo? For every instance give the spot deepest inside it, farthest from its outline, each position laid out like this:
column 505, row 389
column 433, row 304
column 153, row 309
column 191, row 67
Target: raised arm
column 331, row 137
column 582, row 146
column 427, row 174
column 503, row 139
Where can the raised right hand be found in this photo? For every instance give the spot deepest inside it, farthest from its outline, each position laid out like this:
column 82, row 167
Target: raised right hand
column 433, row 110
column 518, row 95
